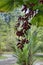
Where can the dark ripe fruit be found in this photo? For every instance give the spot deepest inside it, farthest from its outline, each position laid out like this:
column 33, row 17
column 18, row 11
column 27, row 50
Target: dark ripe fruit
column 41, row 1
column 24, row 8
column 30, row 24
column 31, row 4
column 18, row 43
column 17, row 25
column 27, row 41
column 25, row 23
column 26, row 18
column 27, row 15
column 26, row 26
column 23, row 19
column 20, row 46
column 31, row 12
column 24, row 41
column 19, row 33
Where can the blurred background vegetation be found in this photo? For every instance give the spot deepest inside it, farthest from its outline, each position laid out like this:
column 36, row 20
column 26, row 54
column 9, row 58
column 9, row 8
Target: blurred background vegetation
column 9, row 12
column 7, row 29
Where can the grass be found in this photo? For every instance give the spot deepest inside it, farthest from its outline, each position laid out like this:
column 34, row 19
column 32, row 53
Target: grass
column 15, row 64
column 40, row 57
column 2, row 57
column 8, row 52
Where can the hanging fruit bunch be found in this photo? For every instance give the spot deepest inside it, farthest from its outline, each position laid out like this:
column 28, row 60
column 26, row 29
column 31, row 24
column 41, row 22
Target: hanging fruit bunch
column 23, row 25
column 41, row 1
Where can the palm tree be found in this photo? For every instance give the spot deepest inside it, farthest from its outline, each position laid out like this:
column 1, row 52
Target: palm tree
column 27, row 56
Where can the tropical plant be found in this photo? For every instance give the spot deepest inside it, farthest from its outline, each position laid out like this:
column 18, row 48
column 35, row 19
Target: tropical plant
column 27, row 56
column 28, row 42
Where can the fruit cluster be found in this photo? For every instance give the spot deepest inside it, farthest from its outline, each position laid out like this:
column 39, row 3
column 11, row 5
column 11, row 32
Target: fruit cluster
column 41, row 1
column 21, row 43
column 23, row 25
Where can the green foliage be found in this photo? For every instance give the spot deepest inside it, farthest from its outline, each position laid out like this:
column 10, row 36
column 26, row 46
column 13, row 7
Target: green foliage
column 38, row 19
column 28, row 55
column 7, row 35
column 6, row 5
column 22, row 56
column 11, row 4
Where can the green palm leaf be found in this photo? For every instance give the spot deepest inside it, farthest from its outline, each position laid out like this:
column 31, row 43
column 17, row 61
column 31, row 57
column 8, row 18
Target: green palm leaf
column 38, row 19
column 6, row 5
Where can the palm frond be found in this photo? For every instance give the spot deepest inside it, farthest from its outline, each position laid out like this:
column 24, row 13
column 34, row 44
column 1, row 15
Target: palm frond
column 6, row 5
column 38, row 19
